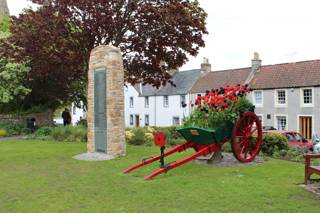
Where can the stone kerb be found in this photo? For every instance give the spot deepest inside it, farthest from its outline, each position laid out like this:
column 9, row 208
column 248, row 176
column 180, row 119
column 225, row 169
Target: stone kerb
column 110, row 58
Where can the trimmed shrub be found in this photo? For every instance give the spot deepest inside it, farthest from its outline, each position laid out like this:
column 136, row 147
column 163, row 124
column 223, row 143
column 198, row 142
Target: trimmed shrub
column 69, row 133
column 43, row 133
column 3, row 133
column 272, row 142
column 292, row 154
column 12, row 129
column 129, row 135
column 138, row 137
column 295, row 154
column 149, row 138
column 175, row 142
column 145, row 136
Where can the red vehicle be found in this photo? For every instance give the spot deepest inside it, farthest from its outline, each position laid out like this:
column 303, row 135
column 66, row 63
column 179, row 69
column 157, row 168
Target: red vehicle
column 294, row 139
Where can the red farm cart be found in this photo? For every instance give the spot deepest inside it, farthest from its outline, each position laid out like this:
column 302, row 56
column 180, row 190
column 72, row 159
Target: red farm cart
column 245, row 135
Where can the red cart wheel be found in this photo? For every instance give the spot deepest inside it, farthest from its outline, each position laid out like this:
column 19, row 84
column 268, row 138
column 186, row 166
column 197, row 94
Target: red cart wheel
column 247, row 137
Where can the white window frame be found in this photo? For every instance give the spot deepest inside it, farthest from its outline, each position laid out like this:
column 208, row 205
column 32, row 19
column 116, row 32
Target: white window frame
column 302, row 104
column 146, row 101
column 276, row 121
column 145, row 120
column 276, row 98
column 166, row 105
column 131, row 103
column 254, row 98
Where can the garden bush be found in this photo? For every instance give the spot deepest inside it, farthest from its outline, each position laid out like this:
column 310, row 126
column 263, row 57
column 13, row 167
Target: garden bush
column 3, row 133
column 145, row 136
column 13, row 129
column 43, row 133
column 69, row 133
column 173, row 137
column 274, row 143
column 138, row 137
column 292, row 154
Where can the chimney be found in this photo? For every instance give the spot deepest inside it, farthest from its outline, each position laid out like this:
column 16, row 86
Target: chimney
column 256, row 62
column 205, row 66
column 255, row 67
column 173, row 71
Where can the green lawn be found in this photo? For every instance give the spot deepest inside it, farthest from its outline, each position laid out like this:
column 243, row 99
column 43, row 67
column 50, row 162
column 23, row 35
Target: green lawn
column 40, row 176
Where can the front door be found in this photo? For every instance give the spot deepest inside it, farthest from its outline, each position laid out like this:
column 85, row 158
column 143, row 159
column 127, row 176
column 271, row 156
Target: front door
column 137, row 119
column 305, row 126
column 100, row 118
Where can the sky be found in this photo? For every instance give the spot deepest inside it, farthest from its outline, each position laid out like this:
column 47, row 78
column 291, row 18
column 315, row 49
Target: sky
column 281, row 31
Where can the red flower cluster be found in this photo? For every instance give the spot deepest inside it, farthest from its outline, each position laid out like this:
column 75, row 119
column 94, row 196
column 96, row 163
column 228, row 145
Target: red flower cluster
column 219, row 99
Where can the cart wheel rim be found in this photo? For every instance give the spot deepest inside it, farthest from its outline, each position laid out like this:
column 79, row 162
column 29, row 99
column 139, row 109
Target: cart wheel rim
column 247, row 137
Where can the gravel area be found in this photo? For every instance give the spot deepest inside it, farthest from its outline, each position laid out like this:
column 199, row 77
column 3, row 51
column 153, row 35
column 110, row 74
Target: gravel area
column 229, row 160
column 93, row 157
column 313, row 187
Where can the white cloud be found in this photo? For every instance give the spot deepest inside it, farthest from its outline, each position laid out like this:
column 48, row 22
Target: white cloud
column 280, row 30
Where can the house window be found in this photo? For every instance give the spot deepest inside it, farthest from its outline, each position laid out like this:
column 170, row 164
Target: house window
column 176, row 121
column 182, row 100
column 165, row 101
column 131, row 102
column 307, row 96
column 131, row 120
column 281, row 122
column 146, row 120
column 258, row 98
column 74, row 110
column 281, row 97
column 146, row 102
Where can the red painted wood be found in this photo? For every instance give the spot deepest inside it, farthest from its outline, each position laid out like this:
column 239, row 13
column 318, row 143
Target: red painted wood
column 204, row 151
column 247, row 127
column 159, row 139
column 179, row 148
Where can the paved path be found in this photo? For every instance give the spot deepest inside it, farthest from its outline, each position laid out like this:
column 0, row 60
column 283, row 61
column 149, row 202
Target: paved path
column 12, row 138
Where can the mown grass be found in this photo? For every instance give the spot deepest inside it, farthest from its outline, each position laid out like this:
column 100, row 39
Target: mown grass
column 39, row 176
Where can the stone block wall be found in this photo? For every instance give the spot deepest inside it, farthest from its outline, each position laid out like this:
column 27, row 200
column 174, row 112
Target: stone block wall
column 110, row 58
column 42, row 118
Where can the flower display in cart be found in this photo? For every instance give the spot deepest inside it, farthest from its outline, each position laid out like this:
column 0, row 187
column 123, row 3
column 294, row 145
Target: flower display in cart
column 219, row 106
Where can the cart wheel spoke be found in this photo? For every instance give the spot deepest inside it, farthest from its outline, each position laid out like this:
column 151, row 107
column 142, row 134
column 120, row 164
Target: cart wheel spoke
column 254, row 129
column 247, row 139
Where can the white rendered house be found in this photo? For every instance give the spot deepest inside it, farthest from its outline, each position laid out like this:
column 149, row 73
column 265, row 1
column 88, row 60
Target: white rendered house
column 166, row 106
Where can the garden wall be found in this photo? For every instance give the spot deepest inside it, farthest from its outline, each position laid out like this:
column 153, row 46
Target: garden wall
column 42, row 118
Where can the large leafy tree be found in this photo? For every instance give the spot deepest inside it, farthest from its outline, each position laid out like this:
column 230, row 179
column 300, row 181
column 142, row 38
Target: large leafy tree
column 12, row 75
column 154, row 36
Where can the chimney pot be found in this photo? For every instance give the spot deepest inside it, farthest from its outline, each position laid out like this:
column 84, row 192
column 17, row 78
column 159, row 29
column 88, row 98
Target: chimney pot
column 206, row 66
column 256, row 56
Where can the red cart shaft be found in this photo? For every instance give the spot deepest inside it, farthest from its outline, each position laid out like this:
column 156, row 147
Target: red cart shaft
column 179, row 148
column 204, row 151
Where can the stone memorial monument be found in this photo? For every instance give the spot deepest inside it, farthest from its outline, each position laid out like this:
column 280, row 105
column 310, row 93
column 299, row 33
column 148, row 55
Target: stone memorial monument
column 105, row 116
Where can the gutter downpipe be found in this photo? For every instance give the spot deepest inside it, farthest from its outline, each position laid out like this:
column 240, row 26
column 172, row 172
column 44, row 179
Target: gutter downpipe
column 155, row 110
